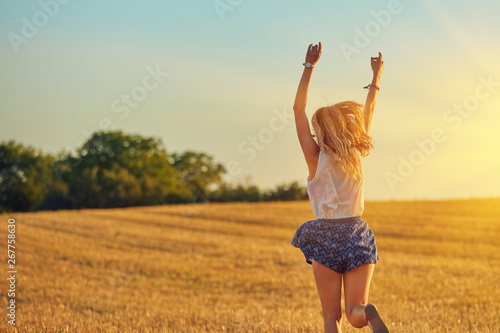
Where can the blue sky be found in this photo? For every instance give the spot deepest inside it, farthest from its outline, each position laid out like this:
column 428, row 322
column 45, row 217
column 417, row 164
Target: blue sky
column 226, row 83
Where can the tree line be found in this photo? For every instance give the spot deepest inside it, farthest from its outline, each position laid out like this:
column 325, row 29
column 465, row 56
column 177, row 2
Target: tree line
column 113, row 169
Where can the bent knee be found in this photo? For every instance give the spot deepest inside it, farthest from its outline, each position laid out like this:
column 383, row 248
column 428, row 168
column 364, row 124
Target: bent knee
column 355, row 321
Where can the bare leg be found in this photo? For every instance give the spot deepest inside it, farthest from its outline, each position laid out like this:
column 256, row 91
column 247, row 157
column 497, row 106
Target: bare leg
column 329, row 285
column 356, row 289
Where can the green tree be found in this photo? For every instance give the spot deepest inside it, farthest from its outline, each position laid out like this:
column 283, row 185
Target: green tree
column 198, row 173
column 286, row 192
column 241, row 192
column 25, row 177
column 113, row 169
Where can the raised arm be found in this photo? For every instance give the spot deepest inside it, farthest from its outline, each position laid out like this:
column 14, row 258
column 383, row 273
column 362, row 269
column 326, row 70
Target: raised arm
column 377, row 67
column 309, row 147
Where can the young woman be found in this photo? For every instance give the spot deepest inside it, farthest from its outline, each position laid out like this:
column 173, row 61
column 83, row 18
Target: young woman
column 338, row 243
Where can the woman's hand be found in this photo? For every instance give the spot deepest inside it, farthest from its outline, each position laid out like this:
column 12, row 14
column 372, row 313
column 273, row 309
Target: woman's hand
column 377, row 64
column 313, row 53
column 309, row 147
column 377, row 67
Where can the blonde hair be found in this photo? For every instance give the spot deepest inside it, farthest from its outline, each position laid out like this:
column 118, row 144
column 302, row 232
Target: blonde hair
column 340, row 130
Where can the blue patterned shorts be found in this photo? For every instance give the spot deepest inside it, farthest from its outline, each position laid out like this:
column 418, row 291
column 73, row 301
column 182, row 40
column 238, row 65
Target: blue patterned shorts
column 340, row 244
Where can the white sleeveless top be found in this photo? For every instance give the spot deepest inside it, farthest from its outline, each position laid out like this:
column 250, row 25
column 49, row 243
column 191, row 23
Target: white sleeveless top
column 332, row 193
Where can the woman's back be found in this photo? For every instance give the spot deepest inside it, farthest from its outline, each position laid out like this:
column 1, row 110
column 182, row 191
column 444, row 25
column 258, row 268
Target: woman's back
column 333, row 193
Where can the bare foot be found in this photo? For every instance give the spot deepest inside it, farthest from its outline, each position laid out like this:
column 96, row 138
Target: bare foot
column 374, row 321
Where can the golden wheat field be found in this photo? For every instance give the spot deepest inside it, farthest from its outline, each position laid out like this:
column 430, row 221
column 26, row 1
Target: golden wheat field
column 231, row 268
